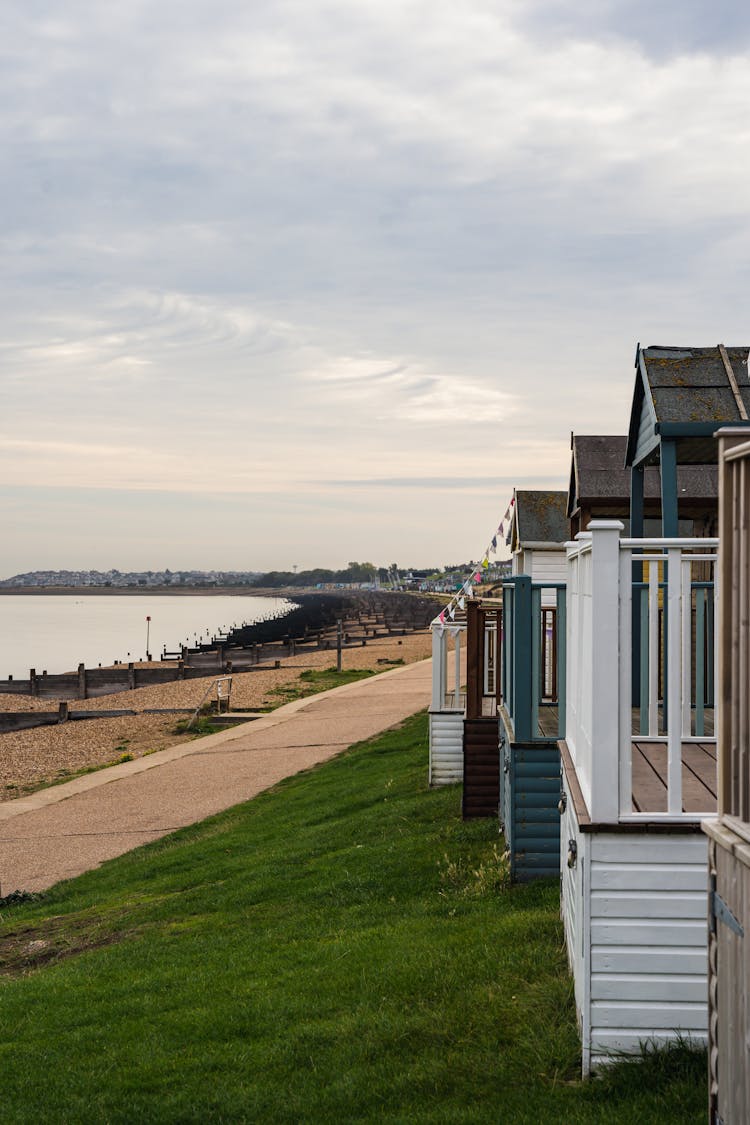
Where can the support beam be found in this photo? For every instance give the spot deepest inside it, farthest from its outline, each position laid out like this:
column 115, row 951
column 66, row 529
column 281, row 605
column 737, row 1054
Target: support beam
column 669, row 515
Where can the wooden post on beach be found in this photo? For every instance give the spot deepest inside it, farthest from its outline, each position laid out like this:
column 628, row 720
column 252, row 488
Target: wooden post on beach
column 33, row 682
column 81, row 681
column 339, row 635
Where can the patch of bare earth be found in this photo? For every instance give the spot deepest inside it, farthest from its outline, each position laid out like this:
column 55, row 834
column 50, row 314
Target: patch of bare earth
column 32, row 758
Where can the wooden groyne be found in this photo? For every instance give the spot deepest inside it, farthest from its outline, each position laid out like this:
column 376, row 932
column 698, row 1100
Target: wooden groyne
column 312, row 624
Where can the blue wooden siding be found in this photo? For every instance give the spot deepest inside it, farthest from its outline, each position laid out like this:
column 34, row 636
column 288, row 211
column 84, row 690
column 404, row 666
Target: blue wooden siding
column 529, row 793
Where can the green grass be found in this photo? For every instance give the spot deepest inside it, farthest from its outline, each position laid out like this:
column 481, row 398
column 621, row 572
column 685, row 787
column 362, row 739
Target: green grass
column 314, row 680
column 341, row 949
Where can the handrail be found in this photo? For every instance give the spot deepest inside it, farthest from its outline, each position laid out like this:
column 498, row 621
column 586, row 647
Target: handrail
column 533, row 656
column 642, row 639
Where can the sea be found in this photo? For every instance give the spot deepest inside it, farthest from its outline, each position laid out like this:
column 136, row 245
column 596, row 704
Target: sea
column 57, row 632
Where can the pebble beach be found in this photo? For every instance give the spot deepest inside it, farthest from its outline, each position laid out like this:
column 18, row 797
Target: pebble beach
column 30, row 759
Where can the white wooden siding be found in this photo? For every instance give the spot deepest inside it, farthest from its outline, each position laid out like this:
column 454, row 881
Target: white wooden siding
column 646, row 439
column 634, row 914
column 648, row 941
column 572, row 901
column 548, row 566
column 446, row 747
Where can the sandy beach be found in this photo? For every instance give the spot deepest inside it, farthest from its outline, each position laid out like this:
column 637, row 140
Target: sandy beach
column 44, row 755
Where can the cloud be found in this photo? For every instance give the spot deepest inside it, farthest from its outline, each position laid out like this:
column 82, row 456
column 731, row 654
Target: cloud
column 263, row 249
column 410, row 393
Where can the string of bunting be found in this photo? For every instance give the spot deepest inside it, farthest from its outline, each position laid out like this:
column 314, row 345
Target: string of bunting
column 466, row 590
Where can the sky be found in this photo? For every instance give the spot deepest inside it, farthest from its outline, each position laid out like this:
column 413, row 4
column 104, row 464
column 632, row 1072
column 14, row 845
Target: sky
column 301, row 282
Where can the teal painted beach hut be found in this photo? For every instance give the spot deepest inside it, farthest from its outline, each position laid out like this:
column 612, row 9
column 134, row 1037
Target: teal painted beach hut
column 682, row 397
column 600, row 487
column 532, row 683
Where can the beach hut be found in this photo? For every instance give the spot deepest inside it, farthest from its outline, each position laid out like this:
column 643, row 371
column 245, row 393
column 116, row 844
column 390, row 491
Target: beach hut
column 464, row 734
column 532, row 675
column 639, row 751
column 638, row 777
column 600, row 488
column 729, row 833
column 682, row 397
column 448, row 700
column 538, row 533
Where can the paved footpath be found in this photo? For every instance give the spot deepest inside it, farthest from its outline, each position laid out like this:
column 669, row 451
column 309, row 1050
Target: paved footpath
column 64, row 830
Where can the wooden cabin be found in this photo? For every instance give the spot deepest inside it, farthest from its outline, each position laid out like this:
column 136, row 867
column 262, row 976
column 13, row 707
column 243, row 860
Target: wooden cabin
column 538, row 533
column 639, row 774
column 599, row 488
column 464, row 740
column 639, row 752
column 465, row 688
column 682, row 397
column 729, row 834
column 448, row 701
column 532, row 653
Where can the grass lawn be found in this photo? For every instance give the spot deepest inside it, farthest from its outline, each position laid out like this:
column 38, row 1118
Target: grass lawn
column 339, row 949
column 314, row 680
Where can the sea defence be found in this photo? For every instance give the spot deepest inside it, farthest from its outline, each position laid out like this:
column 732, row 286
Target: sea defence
column 316, row 621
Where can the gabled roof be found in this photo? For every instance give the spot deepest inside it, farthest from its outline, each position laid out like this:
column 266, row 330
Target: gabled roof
column 686, row 394
column 539, row 517
column 598, row 474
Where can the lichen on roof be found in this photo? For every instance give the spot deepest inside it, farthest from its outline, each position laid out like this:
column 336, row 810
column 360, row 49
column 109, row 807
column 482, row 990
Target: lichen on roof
column 541, row 517
column 692, row 384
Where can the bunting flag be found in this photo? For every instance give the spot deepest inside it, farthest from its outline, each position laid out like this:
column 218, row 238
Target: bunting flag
column 466, row 590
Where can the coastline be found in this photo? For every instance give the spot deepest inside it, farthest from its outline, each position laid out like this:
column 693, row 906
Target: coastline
column 41, row 756
column 154, row 591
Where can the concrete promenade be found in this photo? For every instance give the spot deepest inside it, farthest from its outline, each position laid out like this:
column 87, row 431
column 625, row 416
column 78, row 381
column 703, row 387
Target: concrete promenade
column 67, row 829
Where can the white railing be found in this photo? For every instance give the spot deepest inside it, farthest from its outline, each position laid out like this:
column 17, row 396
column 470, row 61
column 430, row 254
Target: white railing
column 641, row 658
column 446, row 668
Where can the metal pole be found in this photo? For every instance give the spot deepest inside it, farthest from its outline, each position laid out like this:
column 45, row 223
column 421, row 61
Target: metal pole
column 148, row 628
column 339, row 632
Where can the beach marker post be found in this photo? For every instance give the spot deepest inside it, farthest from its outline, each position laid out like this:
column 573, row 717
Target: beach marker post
column 148, row 628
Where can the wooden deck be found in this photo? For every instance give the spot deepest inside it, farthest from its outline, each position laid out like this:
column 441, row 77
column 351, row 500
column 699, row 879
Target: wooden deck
column 548, row 720
column 699, row 778
column 650, row 774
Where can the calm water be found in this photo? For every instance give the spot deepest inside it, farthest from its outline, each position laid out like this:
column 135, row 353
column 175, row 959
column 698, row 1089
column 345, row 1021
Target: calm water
column 57, row 632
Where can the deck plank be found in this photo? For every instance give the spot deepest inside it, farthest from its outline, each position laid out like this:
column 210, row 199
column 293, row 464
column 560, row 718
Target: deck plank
column 650, row 777
column 649, row 784
column 548, row 722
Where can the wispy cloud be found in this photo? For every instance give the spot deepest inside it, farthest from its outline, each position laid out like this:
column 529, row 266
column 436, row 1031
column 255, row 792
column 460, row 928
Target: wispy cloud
column 263, row 249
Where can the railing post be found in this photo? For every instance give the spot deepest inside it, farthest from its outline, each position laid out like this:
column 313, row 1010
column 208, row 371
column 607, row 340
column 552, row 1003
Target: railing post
column 456, row 668
column 536, row 658
column 474, row 659
column 522, row 659
column 673, row 684
column 438, row 648
column 605, row 669
column 561, row 661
